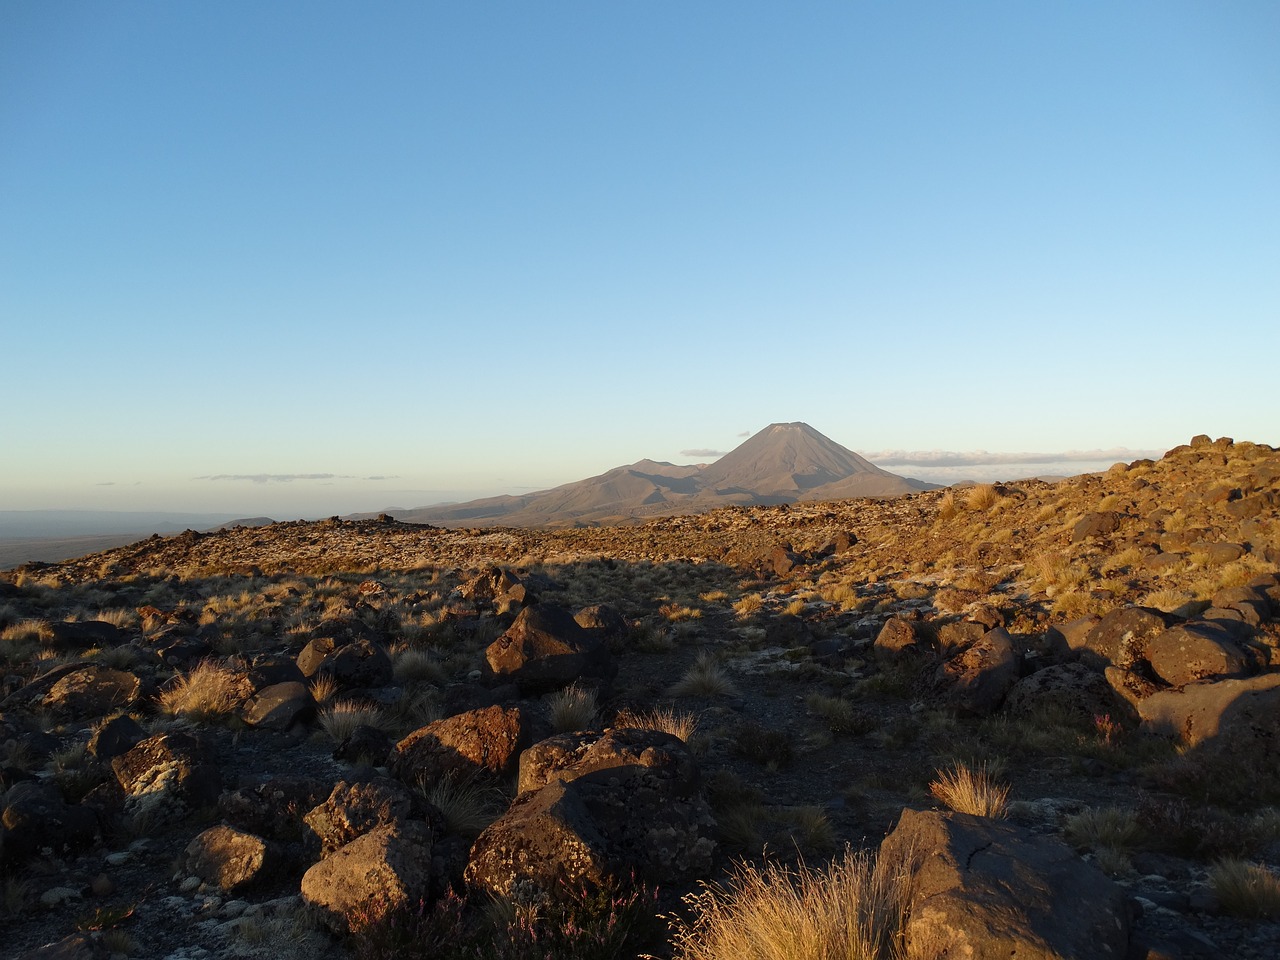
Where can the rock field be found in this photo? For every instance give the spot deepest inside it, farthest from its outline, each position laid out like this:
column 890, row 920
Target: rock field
column 1052, row 711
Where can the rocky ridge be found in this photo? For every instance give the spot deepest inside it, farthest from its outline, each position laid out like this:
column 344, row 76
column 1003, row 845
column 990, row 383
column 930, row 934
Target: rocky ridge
column 216, row 744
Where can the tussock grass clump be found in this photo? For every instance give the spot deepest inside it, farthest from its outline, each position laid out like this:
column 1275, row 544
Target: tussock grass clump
column 323, row 688
column 748, row 604
column 468, row 806
column 1246, row 889
column 678, row 612
column 209, row 693
column 1115, row 828
column 678, row 723
column 706, row 678
column 966, row 790
column 982, row 497
column 413, row 666
column 853, row 909
column 573, row 708
column 340, row 719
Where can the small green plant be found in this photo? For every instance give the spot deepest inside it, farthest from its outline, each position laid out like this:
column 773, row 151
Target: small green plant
column 1113, row 828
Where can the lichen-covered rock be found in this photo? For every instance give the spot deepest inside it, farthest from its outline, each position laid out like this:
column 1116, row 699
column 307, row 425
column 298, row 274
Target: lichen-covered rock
column 388, row 867
column 986, row 889
column 354, row 809
column 485, row 743
column 545, row 649
column 568, row 756
column 1191, row 652
column 359, row 664
column 167, row 777
column 228, row 858
column 1120, row 637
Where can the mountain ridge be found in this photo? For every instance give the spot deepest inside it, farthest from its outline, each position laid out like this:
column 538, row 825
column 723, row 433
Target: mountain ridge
column 783, row 463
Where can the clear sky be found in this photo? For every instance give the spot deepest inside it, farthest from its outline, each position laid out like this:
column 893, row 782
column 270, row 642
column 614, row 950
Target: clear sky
column 313, row 257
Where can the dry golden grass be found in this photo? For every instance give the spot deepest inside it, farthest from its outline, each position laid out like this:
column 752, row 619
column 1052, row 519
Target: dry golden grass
column 1246, row 889
column 981, row 497
column 948, row 506
column 678, row 723
column 210, row 692
column 323, row 688
column 748, row 604
column 854, row 909
column 678, row 612
column 966, row 790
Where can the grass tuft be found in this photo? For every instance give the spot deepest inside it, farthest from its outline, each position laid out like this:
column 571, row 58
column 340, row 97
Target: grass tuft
column 853, row 909
column 1246, row 889
column 706, row 678
column 966, row 790
column 573, row 708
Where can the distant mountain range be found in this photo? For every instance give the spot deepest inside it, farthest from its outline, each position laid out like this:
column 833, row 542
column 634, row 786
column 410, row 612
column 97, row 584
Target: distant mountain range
column 783, row 463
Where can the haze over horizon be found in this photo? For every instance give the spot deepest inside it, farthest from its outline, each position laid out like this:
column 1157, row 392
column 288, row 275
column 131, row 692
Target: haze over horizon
column 303, row 259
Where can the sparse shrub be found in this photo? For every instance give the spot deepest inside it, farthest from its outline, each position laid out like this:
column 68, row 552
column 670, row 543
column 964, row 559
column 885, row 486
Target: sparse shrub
column 854, row 909
column 966, row 790
column 211, row 692
column 678, row 723
column 706, row 678
column 1246, row 889
column 573, row 708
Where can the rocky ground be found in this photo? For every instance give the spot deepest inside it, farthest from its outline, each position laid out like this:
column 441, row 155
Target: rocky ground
column 260, row 740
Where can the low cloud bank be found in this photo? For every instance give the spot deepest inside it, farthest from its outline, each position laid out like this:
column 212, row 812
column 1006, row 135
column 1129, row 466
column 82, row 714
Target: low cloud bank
column 288, row 477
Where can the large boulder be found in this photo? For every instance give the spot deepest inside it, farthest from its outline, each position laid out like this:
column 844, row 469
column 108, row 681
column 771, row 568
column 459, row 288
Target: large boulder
column 899, row 635
column 354, row 809
column 977, row 679
column 279, row 706
column 228, row 858
column 387, row 868
column 568, row 756
column 593, row 827
column 482, row 743
column 83, row 635
column 92, row 691
column 1191, row 652
column 1069, row 689
column 272, row 809
column 546, row 649
column 984, row 889
column 1120, row 637
column 358, row 664
column 35, row 817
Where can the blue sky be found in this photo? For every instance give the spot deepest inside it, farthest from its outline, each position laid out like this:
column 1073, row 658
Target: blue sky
column 477, row 248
